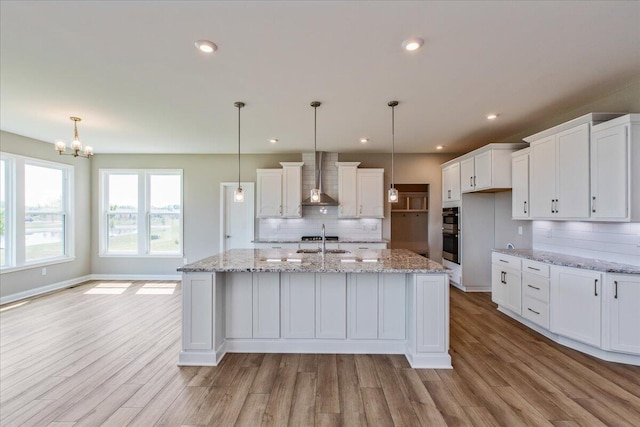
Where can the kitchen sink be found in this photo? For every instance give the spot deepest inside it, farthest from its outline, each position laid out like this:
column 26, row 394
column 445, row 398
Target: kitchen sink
column 308, row 251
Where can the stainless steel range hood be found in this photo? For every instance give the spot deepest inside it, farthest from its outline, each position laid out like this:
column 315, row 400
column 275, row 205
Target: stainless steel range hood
column 325, row 199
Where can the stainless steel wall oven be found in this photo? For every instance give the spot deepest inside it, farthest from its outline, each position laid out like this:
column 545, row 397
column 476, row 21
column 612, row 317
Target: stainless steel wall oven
column 451, row 234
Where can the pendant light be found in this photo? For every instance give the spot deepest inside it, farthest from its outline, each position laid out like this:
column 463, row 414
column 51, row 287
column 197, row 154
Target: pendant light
column 76, row 145
column 393, row 192
column 238, row 195
column 315, row 192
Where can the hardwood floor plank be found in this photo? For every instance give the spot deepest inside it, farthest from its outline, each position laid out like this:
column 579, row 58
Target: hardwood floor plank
column 227, row 410
column 303, row 407
column 423, row 405
column 106, row 408
column 376, row 408
column 267, row 373
column 308, row 363
column 328, row 397
column 186, row 404
column 279, row 405
column 121, row 417
column 451, row 411
column 352, row 408
column 395, row 393
column 367, row 375
column 327, row 420
column 481, row 417
column 253, row 410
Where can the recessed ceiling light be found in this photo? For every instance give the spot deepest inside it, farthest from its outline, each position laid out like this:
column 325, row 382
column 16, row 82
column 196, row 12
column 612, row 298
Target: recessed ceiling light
column 439, row 147
column 206, row 46
column 412, row 44
column 492, row 116
column 364, row 140
column 273, row 140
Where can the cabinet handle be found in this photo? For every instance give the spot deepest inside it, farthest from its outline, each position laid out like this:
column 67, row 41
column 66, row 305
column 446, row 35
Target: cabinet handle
column 557, row 204
column 595, row 287
column 593, row 204
column 280, row 210
column 474, row 180
column 533, row 268
column 504, row 261
column 525, row 207
column 537, row 289
column 615, row 293
column 504, row 277
column 533, row 311
column 552, row 211
column 299, row 210
column 361, row 209
column 449, row 193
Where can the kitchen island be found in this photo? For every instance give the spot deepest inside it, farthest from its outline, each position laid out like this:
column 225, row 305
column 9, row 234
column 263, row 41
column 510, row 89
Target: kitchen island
column 390, row 301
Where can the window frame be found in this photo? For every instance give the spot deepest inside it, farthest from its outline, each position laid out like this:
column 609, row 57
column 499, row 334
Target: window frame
column 144, row 212
column 16, row 212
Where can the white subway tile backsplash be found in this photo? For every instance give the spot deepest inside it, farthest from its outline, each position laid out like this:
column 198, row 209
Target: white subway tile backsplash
column 605, row 241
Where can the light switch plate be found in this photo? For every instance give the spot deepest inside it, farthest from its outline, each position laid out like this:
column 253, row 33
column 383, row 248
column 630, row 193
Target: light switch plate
column 520, row 230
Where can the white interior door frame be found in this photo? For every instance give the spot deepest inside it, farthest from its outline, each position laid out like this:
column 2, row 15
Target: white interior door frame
column 249, row 188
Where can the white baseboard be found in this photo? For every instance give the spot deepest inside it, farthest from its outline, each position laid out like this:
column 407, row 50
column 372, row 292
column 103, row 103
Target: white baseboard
column 77, row 280
column 43, row 289
column 464, row 288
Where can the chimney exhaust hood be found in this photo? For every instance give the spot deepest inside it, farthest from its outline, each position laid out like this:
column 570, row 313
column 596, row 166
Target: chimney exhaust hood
column 325, row 199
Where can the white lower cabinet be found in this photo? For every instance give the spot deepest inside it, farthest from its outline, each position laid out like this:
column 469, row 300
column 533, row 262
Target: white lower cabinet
column 432, row 304
column 252, row 305
column 622, row 298
column 377, row 306
column 506, row 282
column 298, row 305
column 197, row 322
column 576, row 298
column 331, row 305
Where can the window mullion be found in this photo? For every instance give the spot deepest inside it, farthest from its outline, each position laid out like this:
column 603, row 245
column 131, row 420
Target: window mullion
column 143, row 222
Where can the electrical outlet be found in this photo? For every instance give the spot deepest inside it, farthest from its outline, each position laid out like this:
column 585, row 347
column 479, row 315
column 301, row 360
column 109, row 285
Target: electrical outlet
column 520, row 230
column 44, row 271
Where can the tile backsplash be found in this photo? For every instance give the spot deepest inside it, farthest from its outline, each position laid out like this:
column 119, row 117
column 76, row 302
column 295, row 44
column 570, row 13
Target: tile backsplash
column 606, row 241
column 311, row 223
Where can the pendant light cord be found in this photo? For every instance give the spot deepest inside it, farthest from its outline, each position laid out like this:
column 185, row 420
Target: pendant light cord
column 393, row 142
column 239, row 106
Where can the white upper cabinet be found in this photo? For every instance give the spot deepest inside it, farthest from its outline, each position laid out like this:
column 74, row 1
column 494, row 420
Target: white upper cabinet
column 280, row 191
column 370, row 193
column 451, row 183
column 520, row 205
column 360, row 191
column 292, row 189
column 347, row 189
column 615, row 155
column 559, row 181
column 269, row 198
column 486, row 169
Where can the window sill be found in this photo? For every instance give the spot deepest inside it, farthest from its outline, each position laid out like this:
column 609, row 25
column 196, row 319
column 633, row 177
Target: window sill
column 124, row 255
column 39, row 264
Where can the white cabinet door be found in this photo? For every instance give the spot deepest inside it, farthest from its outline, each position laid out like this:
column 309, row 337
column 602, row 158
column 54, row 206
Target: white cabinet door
column 292, row 190
column 543, row 178
column 498, row 286
column 266, row 305
column 520, row 187
column 392, row 317
column 331, row 305
column 198, row 303
column 610, row 173
column 239, row 305
column 467, row 172
column 483, row 171
column 513, row 297
column 623, row 296
column 451, row 183
column 363, row 306
column 347, row 189
column 269, row 196
column 573, row 173
column 432, row 305
column 298, row 305
column 575, row 301
column 370, row 193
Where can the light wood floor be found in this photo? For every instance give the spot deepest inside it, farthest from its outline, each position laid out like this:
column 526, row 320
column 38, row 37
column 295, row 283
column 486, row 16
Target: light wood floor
column 93, row 356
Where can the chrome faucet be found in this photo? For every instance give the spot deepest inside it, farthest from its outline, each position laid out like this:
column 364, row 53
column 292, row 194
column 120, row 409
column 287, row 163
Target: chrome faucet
column 324, row 240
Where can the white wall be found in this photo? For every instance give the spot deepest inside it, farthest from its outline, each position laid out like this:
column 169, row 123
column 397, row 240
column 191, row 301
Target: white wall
column 24, row 281
column 605, row 241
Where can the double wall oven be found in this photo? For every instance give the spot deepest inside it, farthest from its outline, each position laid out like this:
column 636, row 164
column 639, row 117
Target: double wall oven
column 451, row 234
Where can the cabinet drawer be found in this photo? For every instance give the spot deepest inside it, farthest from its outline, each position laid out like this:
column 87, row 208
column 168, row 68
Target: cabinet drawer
column 506, row 260
column 536, row 311
column 535, row 286
column 535, row 267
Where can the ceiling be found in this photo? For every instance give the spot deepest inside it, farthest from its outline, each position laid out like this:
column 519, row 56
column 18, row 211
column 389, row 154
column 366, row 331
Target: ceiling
column 131, row 72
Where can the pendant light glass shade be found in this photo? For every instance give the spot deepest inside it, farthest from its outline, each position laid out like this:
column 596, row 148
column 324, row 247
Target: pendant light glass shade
column 315, row 195
column 76, row 145
column 238, row 195
column 392, row 196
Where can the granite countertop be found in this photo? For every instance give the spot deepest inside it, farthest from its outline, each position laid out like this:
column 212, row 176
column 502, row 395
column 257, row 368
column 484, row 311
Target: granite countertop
column 572, row 261
column 340, row 240
column 279, row 260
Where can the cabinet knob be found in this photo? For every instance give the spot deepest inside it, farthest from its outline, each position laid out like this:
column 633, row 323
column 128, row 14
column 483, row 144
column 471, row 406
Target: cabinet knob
column 227, row 236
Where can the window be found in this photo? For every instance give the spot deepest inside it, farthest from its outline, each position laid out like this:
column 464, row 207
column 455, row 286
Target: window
column 142, row 212
column 35, row 208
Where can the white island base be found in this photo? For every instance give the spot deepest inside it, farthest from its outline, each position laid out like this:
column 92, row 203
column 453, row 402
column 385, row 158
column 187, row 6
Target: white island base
column 308, row 312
